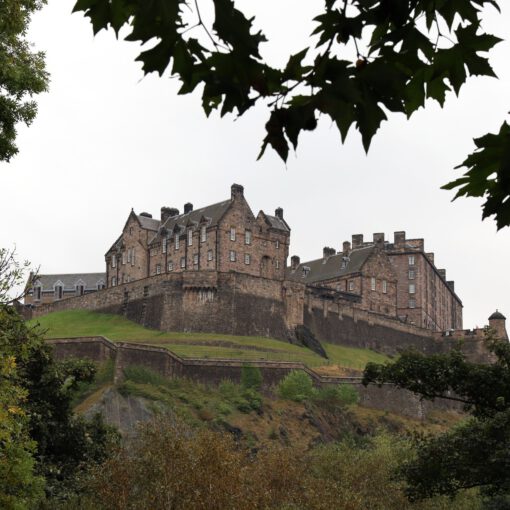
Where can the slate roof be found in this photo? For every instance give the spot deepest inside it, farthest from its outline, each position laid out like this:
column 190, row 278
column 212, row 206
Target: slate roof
column 278, row 223
column 211, row 213
column 321, row 270
column 497, row 315
column 90, row 280
column 148, row 223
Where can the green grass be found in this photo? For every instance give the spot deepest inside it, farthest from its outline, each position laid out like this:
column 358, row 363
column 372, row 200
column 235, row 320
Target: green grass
column 74, row 323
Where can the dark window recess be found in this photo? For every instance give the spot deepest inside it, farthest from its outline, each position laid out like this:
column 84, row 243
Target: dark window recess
column 146, row 291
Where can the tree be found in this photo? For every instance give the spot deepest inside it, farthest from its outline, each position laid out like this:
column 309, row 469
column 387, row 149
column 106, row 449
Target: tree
column 477, row 452
column 369, row 58
column 22, row 72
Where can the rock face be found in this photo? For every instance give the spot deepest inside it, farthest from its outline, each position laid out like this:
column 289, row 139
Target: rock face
column 307, row 339
column 123, row 412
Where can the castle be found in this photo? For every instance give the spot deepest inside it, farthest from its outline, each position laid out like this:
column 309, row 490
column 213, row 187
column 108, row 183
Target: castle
column 223, row 269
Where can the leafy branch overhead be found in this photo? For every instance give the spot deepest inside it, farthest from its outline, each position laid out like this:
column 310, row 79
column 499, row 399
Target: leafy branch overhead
column 366, row 58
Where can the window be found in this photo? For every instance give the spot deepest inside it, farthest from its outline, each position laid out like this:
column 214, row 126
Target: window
column 247, row 259
column 177, row 241
column 123, row 258
column 232, row 233
column 277, row 264
column 411, row 274
column 412, row 303
column 195, row 259
column 277, row 244
column 203, row 234
column 164, row 245
column 209, row 255
column 351, row 285
column 411, row 260
column 385, row 287
column 170, row 266
column 114, row 281
column 247, row 237
column 158, row 268
column 132, row 256
column 80, row 289
column 412, row 288
column 232, row 256
column 130, row 231
column 190, row 237
column 372, row 283
column 37, row 293
column 114, row 261
column 100, row 285
column 129, row 255
column 183, row 262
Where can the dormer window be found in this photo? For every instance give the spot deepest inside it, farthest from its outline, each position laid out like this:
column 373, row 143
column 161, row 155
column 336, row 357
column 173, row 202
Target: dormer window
column 306, row 271
column 345, row 262
column 80, row 289
column 203, row 234
column 59, row 291
column 190, row 237
column 37, row 293
column 100, row 285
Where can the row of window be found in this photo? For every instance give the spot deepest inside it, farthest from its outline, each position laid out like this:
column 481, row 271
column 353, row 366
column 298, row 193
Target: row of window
column 58, row 291
column 127, row 257
column 384, row 285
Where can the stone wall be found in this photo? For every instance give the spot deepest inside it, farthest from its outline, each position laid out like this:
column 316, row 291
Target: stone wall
column 167, row 364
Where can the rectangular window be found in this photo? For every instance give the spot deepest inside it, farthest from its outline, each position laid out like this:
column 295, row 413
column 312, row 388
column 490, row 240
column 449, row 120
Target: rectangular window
column 351, row 285
column 277, row 264
column 177, row 241
column 163, row 244
column 232, row 233
column 183, row 262
column 411, row 260
column 37, row 293
column 209, row 255
column 232, row 256
column 247, row 259
column 411, row 274
column 80, row 289
column 385, row 287
column 190, row 237
column 372, row 283
column 277, row 244
column 412, row 288
column 114, row 281
column 170, row 266
column 129, row 255
column 203, row 234
column 158, row 268
column 132, row 256
column 247, row 237
column 195, row 259
column 114, row 261
column 412, row 303
column 123, row 258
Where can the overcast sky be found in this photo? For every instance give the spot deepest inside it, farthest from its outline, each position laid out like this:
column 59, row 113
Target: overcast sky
column 107, row 139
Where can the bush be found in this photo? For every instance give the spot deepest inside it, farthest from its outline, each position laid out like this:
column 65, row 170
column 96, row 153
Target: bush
column 297, row 386
column 336, row 396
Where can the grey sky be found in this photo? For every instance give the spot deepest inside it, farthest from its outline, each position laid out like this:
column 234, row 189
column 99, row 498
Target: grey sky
column 106, row 140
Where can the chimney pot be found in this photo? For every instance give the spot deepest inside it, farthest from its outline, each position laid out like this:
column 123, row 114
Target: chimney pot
column 188, row 207
column 168, row 212
column 346, row 247
column 328, row 252
column 279, row 213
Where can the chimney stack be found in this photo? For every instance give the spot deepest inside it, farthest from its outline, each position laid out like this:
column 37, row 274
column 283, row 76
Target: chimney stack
column 328, row 252
column 399, row 239
column 430, row 256
column 294, row 262
column 378, row 237
column 346, row 248
column 236, row 190
column 279, row 213
column 188, row 207
column 451, row 284
column 168, row 212
column 442, row 273
column 357, row 241
column 497, row 322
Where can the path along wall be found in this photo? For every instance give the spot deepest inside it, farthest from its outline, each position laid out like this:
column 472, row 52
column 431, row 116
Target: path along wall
column 168, row 364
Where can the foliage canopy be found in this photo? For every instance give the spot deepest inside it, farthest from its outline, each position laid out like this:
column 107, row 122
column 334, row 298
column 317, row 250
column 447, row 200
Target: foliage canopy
column 366, row 58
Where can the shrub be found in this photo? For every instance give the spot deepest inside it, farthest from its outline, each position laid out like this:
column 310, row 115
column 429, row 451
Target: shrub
column 336, row 396
column 297, row 386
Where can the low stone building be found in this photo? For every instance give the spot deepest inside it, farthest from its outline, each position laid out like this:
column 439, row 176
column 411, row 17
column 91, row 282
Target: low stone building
column 48, row 288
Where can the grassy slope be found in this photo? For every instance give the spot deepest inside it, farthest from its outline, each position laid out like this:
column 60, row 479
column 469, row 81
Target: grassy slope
column 116, row 328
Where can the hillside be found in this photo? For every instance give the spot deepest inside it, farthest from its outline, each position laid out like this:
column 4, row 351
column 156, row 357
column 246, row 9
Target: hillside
column 74, row 323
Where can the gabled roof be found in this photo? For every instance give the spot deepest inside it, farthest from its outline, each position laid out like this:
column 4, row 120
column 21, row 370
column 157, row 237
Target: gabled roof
column 148, row 223
column 277, row 223
column 327, row 269
column 69, row 281
column 211, row 213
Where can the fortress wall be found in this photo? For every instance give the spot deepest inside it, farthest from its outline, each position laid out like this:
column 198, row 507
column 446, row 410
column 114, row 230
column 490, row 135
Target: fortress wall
column 167, row 364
